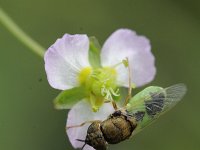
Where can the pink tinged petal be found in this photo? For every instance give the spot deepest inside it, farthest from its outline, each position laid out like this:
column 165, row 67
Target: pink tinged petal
column 80, row 113
column 126, row 43
column 64, row 60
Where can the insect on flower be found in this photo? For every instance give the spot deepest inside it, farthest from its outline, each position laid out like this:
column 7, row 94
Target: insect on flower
column 136, row 113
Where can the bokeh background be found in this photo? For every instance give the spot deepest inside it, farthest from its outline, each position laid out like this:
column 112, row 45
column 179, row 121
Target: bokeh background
column 28, row 120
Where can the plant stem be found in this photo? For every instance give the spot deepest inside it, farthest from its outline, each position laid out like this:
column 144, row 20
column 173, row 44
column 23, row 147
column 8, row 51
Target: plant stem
column 20, row 34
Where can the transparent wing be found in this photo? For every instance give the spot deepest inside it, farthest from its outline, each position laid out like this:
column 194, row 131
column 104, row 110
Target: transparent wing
column 151, row 105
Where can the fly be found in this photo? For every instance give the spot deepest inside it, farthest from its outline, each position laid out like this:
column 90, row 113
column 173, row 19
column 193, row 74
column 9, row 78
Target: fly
column 136, row 113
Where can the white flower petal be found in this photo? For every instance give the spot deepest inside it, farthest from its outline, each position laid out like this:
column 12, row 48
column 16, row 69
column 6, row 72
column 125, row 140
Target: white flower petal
column 64, row 60
column 126, row 43
column 80, row 113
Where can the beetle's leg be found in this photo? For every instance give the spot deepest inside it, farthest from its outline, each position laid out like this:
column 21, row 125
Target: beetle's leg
column 80, row 125
column 129, row 86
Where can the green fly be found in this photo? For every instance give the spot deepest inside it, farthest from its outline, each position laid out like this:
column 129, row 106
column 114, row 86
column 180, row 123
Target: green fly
column 136, row 113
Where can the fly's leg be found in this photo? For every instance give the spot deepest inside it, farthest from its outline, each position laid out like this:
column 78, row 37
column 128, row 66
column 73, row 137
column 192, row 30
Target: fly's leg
column 129, row 85
column 82, row 124
column 113, row 104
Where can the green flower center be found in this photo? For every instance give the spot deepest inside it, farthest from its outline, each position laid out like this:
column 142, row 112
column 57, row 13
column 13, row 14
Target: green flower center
column 100, row 85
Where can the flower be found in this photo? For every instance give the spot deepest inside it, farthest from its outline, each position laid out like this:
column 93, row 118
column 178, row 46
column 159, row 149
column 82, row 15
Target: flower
column 67, row 66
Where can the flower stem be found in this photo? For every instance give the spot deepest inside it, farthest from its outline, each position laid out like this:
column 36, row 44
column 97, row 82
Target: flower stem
column 20, row 34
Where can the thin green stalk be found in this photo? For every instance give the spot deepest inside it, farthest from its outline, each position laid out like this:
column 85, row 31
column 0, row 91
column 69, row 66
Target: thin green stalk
column 20, row 34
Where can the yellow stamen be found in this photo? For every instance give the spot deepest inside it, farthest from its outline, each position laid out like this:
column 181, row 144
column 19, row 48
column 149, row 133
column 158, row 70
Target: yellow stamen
column 84, row 74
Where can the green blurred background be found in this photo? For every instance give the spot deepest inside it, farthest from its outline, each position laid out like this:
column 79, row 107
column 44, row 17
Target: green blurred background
column 28, row 120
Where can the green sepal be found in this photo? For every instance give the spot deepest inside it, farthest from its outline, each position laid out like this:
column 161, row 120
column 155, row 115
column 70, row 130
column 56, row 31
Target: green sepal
column 94, row 52
column 66, row 99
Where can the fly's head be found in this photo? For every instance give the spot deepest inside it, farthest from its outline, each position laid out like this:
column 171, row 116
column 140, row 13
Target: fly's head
column 95, row 137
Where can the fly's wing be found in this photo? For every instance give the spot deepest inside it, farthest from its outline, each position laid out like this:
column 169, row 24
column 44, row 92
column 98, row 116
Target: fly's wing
column 152, row 102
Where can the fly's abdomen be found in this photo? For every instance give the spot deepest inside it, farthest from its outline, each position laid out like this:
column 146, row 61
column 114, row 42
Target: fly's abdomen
column 116, row 129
